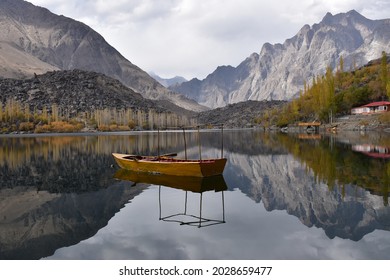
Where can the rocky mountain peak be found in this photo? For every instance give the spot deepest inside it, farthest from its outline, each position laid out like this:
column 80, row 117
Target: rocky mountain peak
column 351, row 17
column 328, row 19
column 279, row 71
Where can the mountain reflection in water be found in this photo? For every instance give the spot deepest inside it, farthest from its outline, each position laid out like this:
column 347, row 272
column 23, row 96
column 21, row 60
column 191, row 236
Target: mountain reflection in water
column 59, row 195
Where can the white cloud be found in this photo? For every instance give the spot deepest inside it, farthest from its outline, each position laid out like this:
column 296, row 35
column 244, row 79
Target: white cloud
column 191, row 37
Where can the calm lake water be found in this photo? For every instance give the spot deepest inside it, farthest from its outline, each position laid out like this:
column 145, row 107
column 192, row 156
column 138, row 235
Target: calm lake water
column 280, row 197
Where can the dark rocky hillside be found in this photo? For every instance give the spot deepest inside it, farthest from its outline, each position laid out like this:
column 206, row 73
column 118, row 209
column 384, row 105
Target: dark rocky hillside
column 238, row 115
column 74, row 90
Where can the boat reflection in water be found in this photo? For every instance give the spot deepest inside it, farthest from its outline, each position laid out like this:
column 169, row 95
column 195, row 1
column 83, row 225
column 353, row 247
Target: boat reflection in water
column 198, row 185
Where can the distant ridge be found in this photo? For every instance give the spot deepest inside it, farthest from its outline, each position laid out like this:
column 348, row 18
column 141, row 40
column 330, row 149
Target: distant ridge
column 177, row 80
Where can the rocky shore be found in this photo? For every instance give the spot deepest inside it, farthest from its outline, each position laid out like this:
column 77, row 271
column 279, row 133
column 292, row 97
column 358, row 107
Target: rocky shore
column 359, row 123
column 348, row 123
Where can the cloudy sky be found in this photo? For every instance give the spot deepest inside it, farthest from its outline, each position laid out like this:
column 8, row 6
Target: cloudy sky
column 191, row 38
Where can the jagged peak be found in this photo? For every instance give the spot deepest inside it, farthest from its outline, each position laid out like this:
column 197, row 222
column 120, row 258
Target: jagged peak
column 224, row 67
column 304, row 29
column 194, row 80
column 253, row 56
column 328, row 18
column 351, row 19
column 352, row 15
column 252, row 59
column 221, row 71
column 355, row 14
column 267, row 47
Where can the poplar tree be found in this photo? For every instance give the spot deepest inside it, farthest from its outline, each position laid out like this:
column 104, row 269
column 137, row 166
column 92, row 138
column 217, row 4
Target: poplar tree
column 1, row 111
column 339, row 72
column 27, row 113
column 330, row 83
column 295, row 109
column 384, row 73
column 45, row 115
column 55, row 113
column 388, row 90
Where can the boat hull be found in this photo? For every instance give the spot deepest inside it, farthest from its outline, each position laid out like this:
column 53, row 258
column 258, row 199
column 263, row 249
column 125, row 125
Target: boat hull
column 169, row 166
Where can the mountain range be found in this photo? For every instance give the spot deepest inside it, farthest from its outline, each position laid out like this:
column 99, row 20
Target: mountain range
column 279, row 71
column 34, row 40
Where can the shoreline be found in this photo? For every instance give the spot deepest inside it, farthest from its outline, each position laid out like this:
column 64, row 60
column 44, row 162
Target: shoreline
column 291, row 130
column 348, row 123
column 121, row 132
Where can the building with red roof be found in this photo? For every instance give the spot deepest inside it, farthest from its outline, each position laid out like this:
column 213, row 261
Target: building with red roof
column 372, row 108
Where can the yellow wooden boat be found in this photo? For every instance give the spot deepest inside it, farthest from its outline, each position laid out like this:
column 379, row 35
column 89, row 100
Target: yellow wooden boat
column 171, row 166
